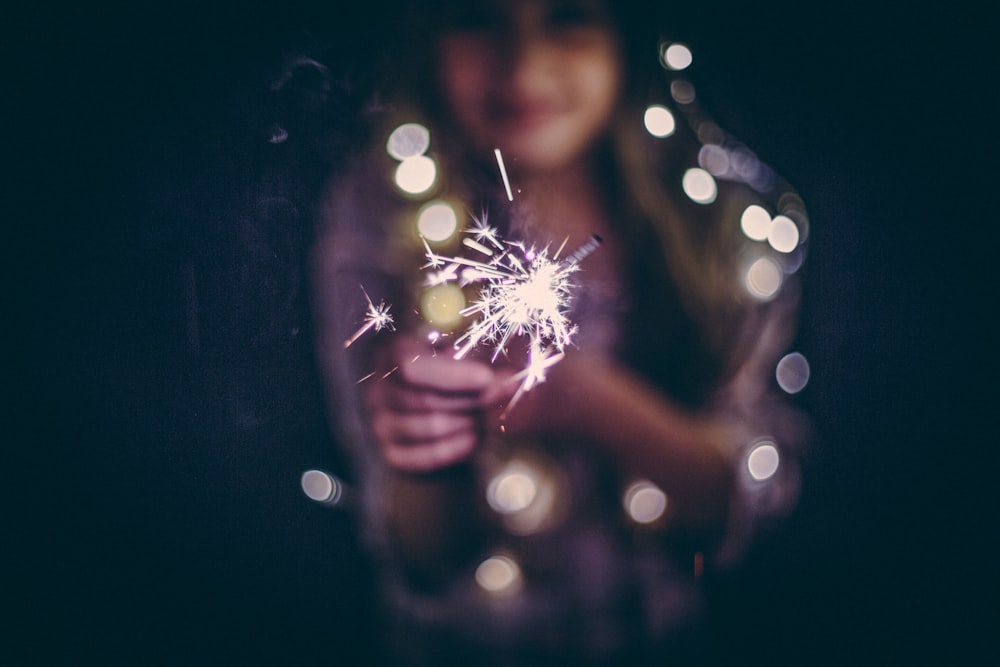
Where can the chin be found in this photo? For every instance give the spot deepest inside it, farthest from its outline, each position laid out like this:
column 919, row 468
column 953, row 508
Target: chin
column 534, row 151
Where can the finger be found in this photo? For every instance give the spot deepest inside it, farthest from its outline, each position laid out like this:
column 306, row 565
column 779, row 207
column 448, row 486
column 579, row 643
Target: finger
column 505, row 384
column 420, row 364
column 413, row 429
column 425, row 400
column 401, row 397
column 427, row 458
column 445, row 374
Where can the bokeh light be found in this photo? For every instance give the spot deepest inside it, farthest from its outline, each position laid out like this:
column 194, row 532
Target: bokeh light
column 513, row 490
column 755, row 222
column 714, row 159
column 709, row 132
column 790, row 204
column 763, row 278
column 682, row 91
column 644, row 502
column 699, row 185
column 408, row 140
column 659, row 121
column 763, row 461
column 677, row 56
column 441, row 305
column 528, row 491
column 499, row 575
column 792, row 372
column 437, row 221
column 783, row 235
column 321, row 487
column 416, row 175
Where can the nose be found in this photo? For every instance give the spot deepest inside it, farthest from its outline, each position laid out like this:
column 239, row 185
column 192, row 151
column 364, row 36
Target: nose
column 525, row 58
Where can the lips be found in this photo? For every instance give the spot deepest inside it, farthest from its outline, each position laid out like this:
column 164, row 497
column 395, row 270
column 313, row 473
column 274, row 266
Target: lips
column 523, row 113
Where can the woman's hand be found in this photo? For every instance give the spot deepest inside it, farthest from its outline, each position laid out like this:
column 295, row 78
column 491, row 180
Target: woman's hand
column 552, row 406
column 427, row 413
column 642, row 429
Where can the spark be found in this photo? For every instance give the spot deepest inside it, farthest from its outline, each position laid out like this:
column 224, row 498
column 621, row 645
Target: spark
column 518, row 297
column 503, row 173
column 377, row 318
column 484, row 232
column 525, row 292
column 539, row 362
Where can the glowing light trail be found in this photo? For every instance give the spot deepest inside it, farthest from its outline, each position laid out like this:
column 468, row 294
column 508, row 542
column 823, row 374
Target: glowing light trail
column 503, row 174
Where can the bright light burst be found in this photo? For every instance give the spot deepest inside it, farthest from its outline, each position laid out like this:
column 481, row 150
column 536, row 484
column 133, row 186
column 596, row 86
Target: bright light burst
column 525, row 292
column 376, row 318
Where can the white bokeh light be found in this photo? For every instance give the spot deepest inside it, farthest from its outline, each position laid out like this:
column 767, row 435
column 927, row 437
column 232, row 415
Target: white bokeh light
column 763, row 461
column 319, row 486
column 659, row 121
column 677, row 56
column 644, row 502
column 512, row 490
column 714, row 159
column 755, row 222
column 437, row 221
column 416, row 175
column 783, row 235
column 499, row 575
column 792, row 372
column 408, row 140
column 699, row 185
column 763, row 278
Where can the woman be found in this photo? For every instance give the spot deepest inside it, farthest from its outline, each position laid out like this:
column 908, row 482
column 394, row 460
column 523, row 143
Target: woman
column 569, row 520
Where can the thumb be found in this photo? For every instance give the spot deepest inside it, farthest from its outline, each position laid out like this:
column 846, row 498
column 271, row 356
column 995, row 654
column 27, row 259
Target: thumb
column 507, row 407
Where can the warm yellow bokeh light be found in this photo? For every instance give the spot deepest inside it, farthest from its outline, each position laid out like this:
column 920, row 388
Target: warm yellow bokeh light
column 441, row 305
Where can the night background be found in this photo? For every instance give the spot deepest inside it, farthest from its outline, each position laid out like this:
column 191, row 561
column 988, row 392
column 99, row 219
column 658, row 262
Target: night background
column 154, row 512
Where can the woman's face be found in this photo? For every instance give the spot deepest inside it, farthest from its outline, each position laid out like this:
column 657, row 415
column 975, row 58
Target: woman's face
column 538, row 79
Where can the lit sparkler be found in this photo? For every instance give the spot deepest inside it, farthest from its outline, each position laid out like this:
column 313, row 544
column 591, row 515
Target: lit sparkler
column 525, row 292
column 377, row 318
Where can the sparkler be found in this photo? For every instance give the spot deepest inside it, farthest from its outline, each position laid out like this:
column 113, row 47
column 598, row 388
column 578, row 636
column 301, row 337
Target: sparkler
column 525, row 292
column 377, row 318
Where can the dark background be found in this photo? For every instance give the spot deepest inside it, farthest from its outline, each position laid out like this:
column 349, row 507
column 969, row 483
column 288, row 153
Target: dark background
column 154, row 509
